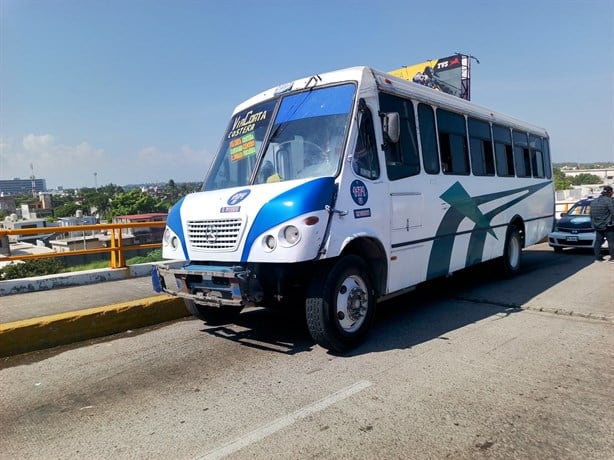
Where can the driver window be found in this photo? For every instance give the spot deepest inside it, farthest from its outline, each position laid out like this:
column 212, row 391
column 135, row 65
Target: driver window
column 365, row 162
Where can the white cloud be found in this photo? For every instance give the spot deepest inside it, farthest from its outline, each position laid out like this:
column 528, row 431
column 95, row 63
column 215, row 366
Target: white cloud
column 185, row 164
column 59, row 164
column 74, row 165
column 37, row 144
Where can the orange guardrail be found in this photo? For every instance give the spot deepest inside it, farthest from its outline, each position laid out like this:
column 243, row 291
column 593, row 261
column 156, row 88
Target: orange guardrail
column 116, row 247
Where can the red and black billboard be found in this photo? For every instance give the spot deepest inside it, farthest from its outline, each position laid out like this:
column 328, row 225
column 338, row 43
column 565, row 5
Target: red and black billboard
column 449, row 75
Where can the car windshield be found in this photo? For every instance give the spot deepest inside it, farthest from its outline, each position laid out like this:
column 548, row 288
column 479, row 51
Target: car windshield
column 580, row 209
column 305, row 139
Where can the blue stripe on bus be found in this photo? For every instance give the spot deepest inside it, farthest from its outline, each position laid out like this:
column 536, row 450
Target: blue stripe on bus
column 310, row 196
column 173, row 221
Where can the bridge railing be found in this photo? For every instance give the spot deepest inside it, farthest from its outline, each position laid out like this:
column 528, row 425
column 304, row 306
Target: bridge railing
column 116, row 248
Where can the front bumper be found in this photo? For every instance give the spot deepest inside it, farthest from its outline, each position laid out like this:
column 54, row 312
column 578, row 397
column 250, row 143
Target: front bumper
column 571, row 240
column 210, row 285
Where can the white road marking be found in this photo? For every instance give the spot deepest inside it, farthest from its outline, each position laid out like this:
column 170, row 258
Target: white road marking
column 280, row 423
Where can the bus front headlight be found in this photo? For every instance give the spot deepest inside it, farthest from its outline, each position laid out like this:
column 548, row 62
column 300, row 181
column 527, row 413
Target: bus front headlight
column 166, row 238
column 269, row 242
column 170, row 239
column 291, row 234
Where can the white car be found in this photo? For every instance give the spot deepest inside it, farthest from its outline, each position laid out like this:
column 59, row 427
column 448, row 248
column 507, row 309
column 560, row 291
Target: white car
column 573, row 229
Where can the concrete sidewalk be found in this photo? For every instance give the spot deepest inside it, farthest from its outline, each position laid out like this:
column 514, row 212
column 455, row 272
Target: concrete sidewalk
column 80, row 306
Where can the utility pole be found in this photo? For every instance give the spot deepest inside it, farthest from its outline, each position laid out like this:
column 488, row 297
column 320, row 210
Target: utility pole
column 32, row 178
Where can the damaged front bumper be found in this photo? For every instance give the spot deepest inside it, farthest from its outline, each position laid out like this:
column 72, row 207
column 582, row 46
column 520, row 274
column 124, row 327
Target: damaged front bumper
column 209, row 285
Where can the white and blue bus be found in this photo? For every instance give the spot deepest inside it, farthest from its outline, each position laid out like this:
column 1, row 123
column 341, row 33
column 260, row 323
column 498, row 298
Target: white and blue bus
column 337, row 191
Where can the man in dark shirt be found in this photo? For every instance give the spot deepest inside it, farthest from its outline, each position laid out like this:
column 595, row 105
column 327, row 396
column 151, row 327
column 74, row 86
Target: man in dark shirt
column 602, row 219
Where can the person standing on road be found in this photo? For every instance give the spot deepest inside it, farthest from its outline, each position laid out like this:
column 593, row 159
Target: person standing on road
column 602, row 220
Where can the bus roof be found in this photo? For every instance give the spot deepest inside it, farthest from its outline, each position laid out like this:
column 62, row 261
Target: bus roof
column 367, row 76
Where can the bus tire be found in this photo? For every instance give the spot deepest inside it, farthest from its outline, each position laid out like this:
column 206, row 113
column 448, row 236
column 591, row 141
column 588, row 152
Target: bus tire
column 340, row 305
column 213, row 315
column 512, row 252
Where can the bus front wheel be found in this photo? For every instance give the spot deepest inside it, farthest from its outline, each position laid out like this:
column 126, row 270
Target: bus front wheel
column 340, row 305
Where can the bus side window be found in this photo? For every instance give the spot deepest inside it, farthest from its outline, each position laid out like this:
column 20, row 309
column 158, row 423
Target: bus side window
column 428, row 138
column 504, row 154
column 365, row 162
column 480, row 146
column 402, row 159
column 521, row 154
column 547, row 164
column 452, row 143
column 537, row 156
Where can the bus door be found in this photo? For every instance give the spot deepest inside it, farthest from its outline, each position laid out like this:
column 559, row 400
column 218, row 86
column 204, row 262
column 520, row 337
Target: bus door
column 407, row 200
column 408, row 251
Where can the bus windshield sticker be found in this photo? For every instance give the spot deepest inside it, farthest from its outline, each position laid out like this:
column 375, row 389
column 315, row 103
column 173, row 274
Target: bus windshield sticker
column 242, row 147
column 247, row 123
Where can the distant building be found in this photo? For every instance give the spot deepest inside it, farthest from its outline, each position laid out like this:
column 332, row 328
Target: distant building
column 143, row 234
column 7, row 203
column 9, row 224
column 22, row 186
column 46, row 200
column 607, row 174
column 77, row 243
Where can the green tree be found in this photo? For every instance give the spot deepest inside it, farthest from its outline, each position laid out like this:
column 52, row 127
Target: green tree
column 29, row 268
column 135, row 202
column 67, row 209
column 99, row 200
column 173, row 191
column 561, row 181
column 586, row 179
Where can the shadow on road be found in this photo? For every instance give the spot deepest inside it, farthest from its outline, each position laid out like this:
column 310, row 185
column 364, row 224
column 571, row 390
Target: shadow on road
column 281, row 332
column 430, row 312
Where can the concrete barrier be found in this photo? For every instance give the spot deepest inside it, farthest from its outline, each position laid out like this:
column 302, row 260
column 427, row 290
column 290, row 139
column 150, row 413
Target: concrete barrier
column 64, row 328
column 46, row 282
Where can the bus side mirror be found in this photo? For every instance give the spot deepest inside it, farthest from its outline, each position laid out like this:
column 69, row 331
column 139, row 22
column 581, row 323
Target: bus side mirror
column 392, row 126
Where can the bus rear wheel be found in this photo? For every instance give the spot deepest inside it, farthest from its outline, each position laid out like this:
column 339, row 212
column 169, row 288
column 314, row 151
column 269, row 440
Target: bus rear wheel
column 213, row 315
column 340, row 305
column 512, row 252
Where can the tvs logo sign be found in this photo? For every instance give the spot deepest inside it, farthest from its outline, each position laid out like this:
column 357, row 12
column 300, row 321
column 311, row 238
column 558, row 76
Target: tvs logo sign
column 448, row 63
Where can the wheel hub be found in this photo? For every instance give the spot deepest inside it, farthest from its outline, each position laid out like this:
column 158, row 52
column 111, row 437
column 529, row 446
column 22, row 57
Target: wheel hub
column 356, row 304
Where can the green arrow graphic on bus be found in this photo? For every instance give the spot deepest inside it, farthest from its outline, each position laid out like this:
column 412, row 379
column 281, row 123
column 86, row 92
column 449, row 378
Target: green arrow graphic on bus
column 464, row 206
column 459, row 199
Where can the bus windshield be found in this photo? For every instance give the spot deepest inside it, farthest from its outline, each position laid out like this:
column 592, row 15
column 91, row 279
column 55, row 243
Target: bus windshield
column 305, row 139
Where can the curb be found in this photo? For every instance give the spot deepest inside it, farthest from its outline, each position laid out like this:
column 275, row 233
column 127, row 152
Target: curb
column 65, row 328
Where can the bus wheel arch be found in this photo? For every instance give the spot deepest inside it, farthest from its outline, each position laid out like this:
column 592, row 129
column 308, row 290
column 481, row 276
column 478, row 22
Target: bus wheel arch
column 373, row 253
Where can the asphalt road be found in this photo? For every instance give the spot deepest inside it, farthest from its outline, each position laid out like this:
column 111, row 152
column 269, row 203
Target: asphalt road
column 468, row 367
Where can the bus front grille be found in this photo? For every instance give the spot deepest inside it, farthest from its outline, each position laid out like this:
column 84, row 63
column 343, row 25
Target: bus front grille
column 214, row 234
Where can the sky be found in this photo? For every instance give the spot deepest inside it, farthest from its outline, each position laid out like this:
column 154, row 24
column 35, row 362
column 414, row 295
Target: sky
column 94, row 92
